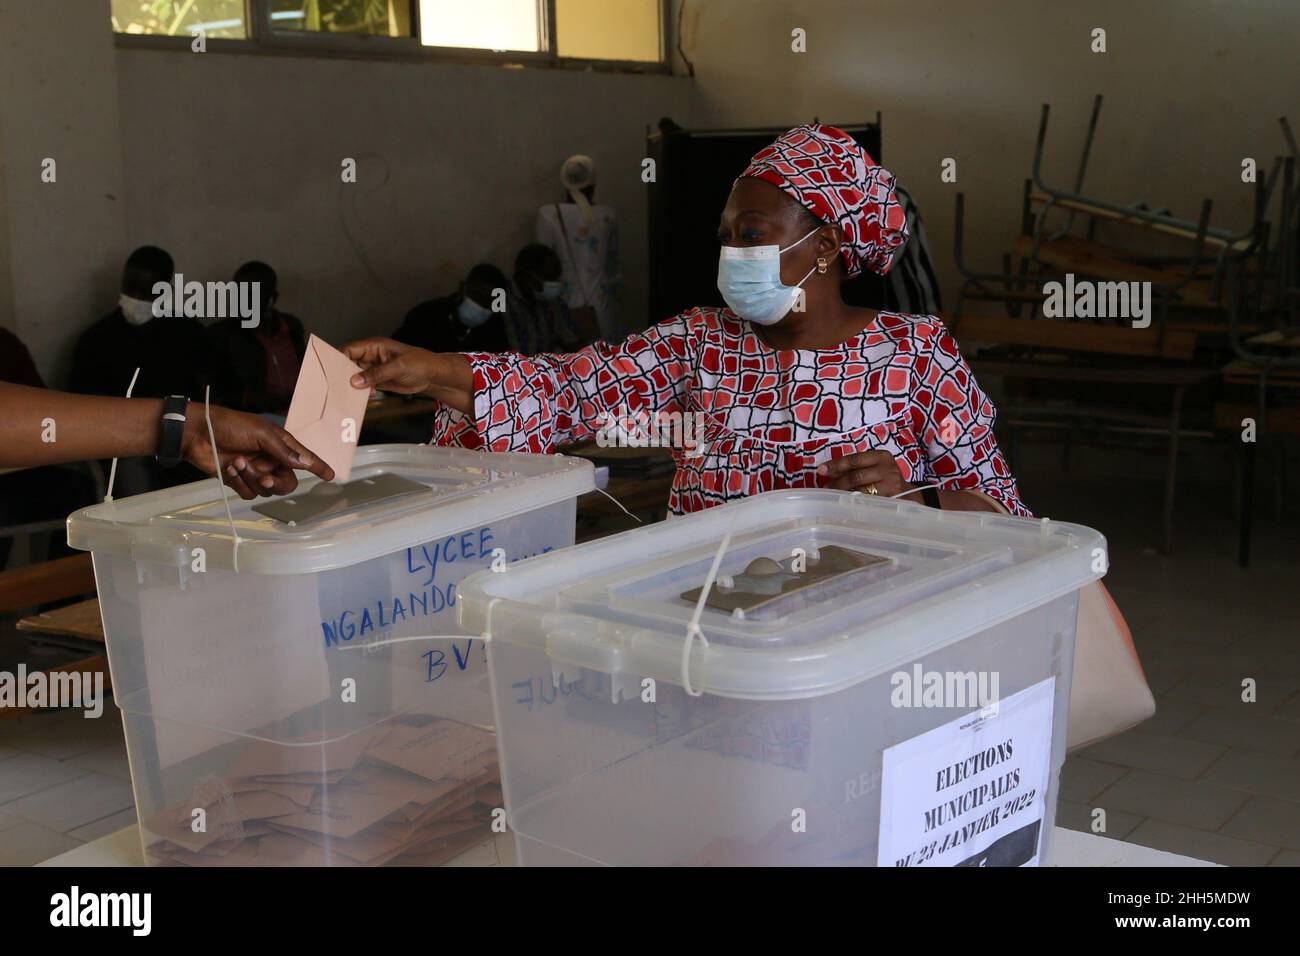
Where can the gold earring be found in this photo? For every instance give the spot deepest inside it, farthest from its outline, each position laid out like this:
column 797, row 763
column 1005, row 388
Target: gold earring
column 821, row 265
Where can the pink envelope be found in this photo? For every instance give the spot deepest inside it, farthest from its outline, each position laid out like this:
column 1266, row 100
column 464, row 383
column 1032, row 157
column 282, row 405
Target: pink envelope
column 326, row 411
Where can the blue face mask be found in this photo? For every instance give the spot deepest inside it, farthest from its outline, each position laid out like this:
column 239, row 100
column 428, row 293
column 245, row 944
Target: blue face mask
column 471, row 314
column 551, row 289
column 749, row 278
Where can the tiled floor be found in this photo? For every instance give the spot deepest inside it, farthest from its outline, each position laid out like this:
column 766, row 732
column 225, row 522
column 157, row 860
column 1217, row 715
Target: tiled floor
column 63, row 781
column 1210, row 776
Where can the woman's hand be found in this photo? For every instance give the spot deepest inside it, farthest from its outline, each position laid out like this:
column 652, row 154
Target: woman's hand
column 870, row 472
column 257, row 457
column 408, row 370
column 879, row 470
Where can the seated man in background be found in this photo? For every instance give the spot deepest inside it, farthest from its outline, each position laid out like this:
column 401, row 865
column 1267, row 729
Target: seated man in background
column 36, row 494
column 170, row 352
column 540, row 319
column 464, row 321
column 256, row 369
column 16, row 365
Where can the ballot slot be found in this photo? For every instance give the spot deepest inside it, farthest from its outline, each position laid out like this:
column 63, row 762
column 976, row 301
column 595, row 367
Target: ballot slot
column 328, row 499
column 771, row 587
column 870, row 572
column 326, row 506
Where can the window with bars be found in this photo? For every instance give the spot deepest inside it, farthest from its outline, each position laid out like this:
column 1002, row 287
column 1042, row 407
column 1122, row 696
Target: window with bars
column 539, row 31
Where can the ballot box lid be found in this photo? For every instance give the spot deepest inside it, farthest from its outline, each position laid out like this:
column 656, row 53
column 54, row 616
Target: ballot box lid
column 398, row 496
column 815, row 591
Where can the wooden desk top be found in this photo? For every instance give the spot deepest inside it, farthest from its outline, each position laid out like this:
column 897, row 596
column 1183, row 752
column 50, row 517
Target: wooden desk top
column 1071, row 254
column 1100, row 212
column 392, row 407
column 1248, row 373
column 1138, row 375
column 38, row 584
column 1177, row 343
column 75, row 620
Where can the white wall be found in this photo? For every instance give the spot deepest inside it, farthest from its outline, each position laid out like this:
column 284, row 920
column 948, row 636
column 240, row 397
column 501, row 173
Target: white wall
column 1191, row 87
column 222, row 157
column 61, row 241
column 231, row 157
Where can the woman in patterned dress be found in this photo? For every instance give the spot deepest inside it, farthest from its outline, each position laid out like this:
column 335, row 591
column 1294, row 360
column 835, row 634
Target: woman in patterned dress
column 789, row 387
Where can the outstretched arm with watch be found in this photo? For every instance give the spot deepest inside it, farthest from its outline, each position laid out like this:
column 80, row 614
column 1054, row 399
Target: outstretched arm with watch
column 43, row 427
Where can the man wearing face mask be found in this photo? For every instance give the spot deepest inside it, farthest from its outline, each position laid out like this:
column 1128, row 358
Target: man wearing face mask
column 468, row 320
column 539, row 318
column 169, row 350
column 788, row 387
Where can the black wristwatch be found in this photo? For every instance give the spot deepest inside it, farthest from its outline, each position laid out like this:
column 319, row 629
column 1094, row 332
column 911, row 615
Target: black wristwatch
column 931, row 497
column 172, row 430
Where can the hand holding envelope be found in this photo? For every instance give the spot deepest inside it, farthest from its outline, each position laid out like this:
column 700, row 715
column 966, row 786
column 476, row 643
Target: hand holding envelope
column 409, row 370
column 326, row 411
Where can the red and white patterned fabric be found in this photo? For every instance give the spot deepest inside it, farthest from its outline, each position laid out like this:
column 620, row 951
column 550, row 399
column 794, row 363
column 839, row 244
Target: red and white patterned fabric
column 824, row 170
column 769, row 418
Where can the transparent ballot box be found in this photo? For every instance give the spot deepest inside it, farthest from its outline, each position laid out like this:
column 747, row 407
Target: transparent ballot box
column 294, row 684
column 799, row 678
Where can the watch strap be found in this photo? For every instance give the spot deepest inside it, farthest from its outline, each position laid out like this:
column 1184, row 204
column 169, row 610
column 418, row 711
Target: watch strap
column 171, row 430
column 931, row 497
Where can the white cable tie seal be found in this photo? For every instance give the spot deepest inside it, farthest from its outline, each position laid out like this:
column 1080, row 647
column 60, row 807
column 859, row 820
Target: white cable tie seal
column 112, row 469
column 216, row 461
column 693, row 627
column 620, row 504
column 855, row 493
column 912, row 491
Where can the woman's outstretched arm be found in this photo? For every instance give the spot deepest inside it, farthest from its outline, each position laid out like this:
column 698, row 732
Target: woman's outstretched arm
column 512, row 402
column 409, row 370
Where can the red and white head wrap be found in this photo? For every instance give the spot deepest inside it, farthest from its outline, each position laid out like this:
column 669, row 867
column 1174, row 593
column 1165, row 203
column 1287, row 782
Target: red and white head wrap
column 826, row 171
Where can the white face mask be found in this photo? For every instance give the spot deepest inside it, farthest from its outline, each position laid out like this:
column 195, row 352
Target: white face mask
column 135, row 311
column 749, row 278
column 471, row 314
